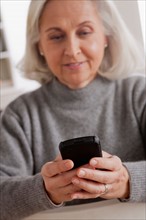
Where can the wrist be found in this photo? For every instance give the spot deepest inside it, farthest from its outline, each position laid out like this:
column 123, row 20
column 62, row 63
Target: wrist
column 54, row 204
column 126, row 191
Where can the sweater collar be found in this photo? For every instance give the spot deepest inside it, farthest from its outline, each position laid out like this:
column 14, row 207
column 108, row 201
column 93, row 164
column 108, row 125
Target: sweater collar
column 76, row 98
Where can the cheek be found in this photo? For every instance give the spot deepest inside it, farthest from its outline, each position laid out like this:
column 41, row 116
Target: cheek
column 97, row 53
column 52, row 57
column 96, row 49
column 51, row 54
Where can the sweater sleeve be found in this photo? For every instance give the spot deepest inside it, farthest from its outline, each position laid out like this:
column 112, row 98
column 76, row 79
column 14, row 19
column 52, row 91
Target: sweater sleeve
column 22, row 191
column 137, row 169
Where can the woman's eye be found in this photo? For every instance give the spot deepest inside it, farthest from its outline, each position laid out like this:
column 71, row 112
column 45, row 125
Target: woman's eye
column 56, row 37
column 84, row 33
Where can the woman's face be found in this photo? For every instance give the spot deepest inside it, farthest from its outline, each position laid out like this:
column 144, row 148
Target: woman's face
column 72, row 41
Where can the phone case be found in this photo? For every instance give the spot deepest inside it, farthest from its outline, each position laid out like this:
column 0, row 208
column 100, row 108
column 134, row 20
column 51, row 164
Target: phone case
column 80, row 150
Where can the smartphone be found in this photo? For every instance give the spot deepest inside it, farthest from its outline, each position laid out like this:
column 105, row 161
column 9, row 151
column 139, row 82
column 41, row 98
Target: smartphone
column 80, row 150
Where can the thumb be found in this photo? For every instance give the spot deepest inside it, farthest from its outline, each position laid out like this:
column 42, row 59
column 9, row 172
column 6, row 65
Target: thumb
column 58, row 158
column 105, row 154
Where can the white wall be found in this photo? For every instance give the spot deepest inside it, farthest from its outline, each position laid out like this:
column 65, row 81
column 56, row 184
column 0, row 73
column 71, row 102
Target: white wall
column 142, row 10
column 130, row 13
column 14, row 13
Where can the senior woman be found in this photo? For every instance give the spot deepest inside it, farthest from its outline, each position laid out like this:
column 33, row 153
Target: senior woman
column 92, row 84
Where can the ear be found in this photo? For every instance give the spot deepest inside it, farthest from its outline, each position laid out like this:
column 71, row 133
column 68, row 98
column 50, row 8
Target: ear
column 40, row 49
column 105, row 39
column 106, row 42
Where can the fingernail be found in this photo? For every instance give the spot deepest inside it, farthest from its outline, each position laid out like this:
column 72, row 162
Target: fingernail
column 74, row 196
column 81, row 173
column 93, row 162
column 67, row 165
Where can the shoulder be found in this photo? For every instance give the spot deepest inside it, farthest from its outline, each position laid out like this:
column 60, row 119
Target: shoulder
column 134, row 84
column 134, row 80
column 131, row 91
column 27, row 102
column 128, row 92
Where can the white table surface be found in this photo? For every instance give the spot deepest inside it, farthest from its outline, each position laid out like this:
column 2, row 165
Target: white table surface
column 109, row 210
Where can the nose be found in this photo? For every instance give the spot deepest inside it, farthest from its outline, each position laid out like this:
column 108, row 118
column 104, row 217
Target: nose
column 72, row 47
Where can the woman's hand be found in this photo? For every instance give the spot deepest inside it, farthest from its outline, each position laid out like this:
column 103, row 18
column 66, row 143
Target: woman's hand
column 57, row 180
column 108, row 179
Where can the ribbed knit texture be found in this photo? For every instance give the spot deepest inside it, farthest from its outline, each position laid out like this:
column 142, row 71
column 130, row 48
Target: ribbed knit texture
column 33, row 125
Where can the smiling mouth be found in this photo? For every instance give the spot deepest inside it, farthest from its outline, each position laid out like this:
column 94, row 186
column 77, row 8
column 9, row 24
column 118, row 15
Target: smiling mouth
column 73, row 64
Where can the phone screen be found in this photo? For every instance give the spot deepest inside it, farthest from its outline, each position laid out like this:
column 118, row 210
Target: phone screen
column 81, row 150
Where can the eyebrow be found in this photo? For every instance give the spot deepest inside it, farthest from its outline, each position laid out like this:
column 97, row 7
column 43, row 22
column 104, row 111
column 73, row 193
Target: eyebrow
column 53, row 29
column 59, row 29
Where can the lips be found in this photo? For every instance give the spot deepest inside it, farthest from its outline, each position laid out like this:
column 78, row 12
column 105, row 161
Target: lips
column 73, row 66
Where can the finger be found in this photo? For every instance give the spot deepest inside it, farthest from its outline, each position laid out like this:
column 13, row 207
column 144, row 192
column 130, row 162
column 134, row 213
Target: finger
column 88, row 186
column 92, row 190
column 98, row 175
column 112, row 163
column 84, row 195
column 60, row 180
column 71, row 188
column 51, row 169
column 58, row 193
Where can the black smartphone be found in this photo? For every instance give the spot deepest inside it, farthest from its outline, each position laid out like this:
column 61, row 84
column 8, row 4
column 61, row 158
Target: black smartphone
column 80, row 150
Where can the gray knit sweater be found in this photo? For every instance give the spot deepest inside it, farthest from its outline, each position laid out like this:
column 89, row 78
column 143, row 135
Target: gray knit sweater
column 34, row 124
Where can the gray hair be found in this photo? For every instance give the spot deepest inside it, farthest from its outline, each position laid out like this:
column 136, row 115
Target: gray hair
column 122, row 56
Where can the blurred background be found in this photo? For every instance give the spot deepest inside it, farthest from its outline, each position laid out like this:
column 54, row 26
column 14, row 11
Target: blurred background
column 13, row 15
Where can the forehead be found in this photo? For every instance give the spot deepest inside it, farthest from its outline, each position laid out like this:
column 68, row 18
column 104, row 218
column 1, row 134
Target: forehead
column 75, row 11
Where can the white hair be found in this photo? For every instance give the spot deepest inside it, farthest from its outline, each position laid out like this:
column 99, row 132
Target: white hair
column 122, row 57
